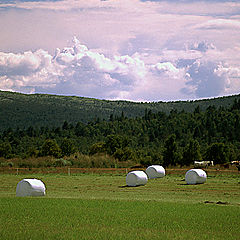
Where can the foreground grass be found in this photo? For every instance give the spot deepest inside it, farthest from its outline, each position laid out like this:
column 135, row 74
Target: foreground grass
column 28, row 218
column 102, row 207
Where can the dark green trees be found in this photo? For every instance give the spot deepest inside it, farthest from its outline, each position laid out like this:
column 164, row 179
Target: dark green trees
column 5, row 149
column 155, row 138
column 191, row 153
column 50, row 148
column 67, row 147
column 219, row 153
column 115, row 142
column 98, row 147
column 116, row 146
column 171, row 156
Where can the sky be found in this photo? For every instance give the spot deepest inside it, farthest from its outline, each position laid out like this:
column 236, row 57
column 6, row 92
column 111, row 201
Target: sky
column 137, row 50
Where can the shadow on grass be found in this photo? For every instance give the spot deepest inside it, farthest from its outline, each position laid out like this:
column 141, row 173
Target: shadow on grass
column 183, row 180
column 126, row 186
column 218, row 202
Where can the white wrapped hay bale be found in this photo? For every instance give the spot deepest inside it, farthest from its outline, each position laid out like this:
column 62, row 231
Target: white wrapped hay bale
column 136, row 178
column 195, row 176
column 30, row 187
column 155, row 171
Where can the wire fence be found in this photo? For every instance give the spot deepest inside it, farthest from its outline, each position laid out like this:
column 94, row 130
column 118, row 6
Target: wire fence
column 121, row 171
column 62, row 170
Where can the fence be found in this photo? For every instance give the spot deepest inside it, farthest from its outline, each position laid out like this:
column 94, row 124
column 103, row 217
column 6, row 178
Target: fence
column 71, row 171
column 62, row 170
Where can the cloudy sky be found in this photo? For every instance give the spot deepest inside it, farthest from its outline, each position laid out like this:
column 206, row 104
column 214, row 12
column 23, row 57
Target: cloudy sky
column 138, row 50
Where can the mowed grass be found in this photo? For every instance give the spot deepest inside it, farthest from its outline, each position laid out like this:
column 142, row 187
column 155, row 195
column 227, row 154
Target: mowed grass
column 88, row 206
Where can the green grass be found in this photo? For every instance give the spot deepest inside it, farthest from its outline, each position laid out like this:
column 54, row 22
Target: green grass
column 88, row 206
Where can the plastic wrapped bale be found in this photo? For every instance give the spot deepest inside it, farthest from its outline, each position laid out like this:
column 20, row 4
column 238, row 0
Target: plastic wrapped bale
column 155, row 171
column 30, row 187
column 136, row 178
column 195, row 176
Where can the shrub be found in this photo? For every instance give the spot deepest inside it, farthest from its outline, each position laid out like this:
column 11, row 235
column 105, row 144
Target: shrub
column 6, row 164
column 62, row 163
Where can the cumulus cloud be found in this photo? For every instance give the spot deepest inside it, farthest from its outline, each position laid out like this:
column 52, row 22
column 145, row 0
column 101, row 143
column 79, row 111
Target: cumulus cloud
column 207, row 70
column 76, row 69
column 202, row 46
column 79, row 71
column 193, row 72
column 165, row 67
column 204, row 81
column 23, row 64
column 210, row 74
column 219, row 24
column 22, row 72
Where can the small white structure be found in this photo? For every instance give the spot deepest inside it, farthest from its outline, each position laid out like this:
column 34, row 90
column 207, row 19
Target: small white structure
column 195, row 176
column 136, row 178
column 203, row 164
column 30, row 187
column 155, row 171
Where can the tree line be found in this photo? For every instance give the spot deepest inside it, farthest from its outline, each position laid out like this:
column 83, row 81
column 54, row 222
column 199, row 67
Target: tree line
column 177, row 138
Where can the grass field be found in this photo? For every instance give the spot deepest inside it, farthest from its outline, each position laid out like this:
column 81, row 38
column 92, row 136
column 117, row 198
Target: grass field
column 100, row 206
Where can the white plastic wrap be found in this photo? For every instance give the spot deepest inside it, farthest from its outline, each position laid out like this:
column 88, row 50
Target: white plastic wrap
column 155, row 171
column 195, row 176
column 136, row 178
column 30, row 187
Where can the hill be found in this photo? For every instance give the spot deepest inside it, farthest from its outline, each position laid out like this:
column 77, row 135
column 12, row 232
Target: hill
column 24, row 110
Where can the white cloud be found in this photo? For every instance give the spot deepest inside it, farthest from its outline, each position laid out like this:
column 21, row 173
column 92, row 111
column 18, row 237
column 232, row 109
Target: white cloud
column 194, row 72
column 165, row 67
column 203, row 79
column 220, row 24
column 79, row 70
column 26, row 70
column 202, row 46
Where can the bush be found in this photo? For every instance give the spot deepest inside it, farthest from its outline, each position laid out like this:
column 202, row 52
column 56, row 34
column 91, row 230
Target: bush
column 62, row 163
column 6, row 164
column 99, row 160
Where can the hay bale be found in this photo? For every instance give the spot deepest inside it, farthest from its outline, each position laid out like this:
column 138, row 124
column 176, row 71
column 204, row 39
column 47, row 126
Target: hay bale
column 30, row 187
column 155, row 171
column 136, row 178
column 195, row 176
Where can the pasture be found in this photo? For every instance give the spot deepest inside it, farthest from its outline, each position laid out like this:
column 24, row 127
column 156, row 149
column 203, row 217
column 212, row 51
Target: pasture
column 100, row 206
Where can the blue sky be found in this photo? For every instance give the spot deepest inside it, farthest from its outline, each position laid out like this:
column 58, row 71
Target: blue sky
column 134, row 50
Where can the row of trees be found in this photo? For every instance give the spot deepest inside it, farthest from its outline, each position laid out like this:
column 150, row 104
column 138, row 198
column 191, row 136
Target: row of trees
column 167, row 139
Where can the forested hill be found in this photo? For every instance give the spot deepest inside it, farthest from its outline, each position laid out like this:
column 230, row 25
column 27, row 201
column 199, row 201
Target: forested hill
column 24, row 110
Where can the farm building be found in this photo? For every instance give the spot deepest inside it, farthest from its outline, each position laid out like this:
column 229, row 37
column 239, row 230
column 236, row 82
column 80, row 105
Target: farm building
column 195, row 176
column 155, row 171
column 136, row 178
column 30, row 187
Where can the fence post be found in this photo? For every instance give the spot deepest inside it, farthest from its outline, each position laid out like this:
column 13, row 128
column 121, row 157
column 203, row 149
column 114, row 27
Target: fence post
column 69, row 171
column 17, row 171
